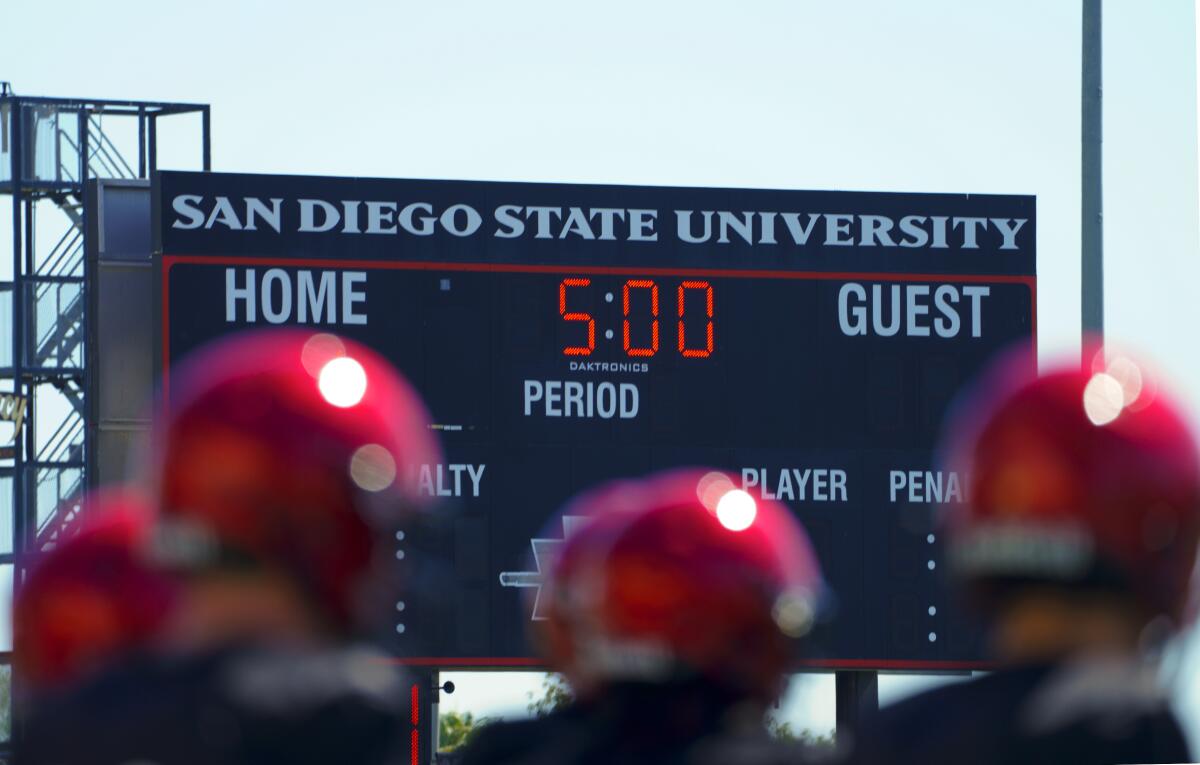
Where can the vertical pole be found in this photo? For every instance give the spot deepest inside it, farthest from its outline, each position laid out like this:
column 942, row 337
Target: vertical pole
column 16, row 118
column 205, row 134
column 29, row 230
column 29, row 300
column 57, row 149
column 1092, row 198
column 20, row 510
column 141, row 141
column 89, row 415
column 857, row 696
column 152, row 148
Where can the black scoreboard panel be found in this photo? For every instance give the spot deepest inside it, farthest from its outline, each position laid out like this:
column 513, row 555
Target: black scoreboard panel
column 551, row 365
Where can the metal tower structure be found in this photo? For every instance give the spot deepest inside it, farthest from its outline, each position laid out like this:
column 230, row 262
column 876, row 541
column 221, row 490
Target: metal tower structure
column 50, row 148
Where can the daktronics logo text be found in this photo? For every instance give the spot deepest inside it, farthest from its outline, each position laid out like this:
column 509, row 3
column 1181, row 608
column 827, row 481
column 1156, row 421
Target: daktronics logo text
column 756, row 228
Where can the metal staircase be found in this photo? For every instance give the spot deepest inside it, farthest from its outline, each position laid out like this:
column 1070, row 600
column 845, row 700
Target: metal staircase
column 55, row 334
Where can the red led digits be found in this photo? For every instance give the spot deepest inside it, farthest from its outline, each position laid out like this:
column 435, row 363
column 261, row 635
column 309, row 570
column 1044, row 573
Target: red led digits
column 641, row 284
column 579, row 350
column 626, row 290
column 697, row 353
column 414, row 748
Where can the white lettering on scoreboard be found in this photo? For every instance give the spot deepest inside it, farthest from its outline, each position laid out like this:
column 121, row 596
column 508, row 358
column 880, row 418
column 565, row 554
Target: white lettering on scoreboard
column 768, row 228
column 925, row 486
column 915, row 310
column 448, row 480
column 797, row 484
column 572, row 398
column 302, row 297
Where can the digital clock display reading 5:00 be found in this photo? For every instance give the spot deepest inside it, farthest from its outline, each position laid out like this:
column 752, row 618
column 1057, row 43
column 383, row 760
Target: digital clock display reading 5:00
column 641, row 324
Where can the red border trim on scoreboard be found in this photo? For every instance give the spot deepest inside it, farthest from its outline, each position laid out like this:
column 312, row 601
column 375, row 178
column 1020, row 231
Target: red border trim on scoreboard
column 513, row 662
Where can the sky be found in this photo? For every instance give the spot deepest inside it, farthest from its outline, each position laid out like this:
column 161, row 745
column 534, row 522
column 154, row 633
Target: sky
column 920, row 96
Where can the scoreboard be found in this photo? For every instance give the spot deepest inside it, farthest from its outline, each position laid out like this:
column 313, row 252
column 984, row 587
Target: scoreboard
column 808, row 342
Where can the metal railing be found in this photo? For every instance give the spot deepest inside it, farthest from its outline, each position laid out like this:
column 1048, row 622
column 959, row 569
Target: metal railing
column 62, row 337
column 66, row 256
column 104, row 159
column 59, row 489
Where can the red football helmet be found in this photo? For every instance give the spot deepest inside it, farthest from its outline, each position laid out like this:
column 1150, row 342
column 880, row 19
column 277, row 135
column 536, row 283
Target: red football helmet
column 1082, row 477
column 674, row 575
column 291, row 449
column 91, row 598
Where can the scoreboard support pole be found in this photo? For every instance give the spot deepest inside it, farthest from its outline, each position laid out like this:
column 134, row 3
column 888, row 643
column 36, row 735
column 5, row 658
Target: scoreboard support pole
column 1092, row 207
column 856, row 697
column 422, row 729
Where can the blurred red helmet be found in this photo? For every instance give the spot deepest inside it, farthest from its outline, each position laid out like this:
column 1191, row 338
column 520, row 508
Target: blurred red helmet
column 1082, row 477
column 289, row 449
column 679, row 574
column 91, row 598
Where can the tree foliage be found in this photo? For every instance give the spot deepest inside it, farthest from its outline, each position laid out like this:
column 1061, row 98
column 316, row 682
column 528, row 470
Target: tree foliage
column 456, row 729
column 556, row 694
column 784, row 732
column 5, row 703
